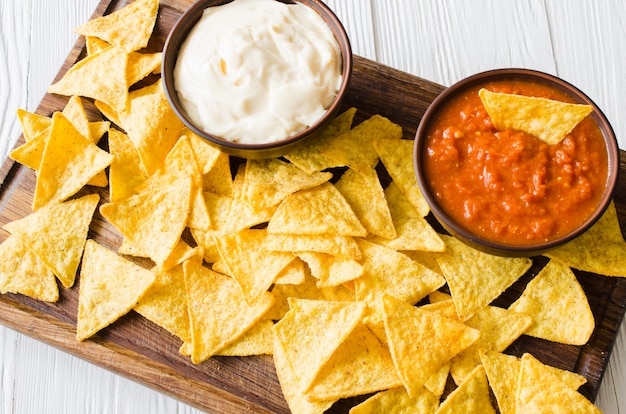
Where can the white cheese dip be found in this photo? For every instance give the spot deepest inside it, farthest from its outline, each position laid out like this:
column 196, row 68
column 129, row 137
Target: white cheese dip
column 258, row 71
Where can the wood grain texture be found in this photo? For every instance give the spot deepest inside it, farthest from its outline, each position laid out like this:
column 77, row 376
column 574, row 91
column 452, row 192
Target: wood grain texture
column 434, row 40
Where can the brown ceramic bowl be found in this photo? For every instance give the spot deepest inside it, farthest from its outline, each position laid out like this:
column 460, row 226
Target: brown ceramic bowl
column 489, row 245
column 253, row 151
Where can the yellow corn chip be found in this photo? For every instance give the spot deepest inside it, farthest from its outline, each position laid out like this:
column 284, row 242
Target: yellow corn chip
column 22, row 271
column 57, row 234
column 498, row 329
column 393, row 273
column 151, row 124
column 129, row 28
column 180, row 163
column 31, row 152
column 218, row 206
column 32, row 124
column 319, row 210
column 95, row 44
column 141, row 65
column 397, row 157
column 436, row 383
column 360, row 365
column 547, row 119
column 253, row 266
column 289, row 378
column 109, row 288
column 259, row 340
column 476, row 278
column 363, row 191
column 331, row 270
column 218, row 179
column 541, row 391
column 341, row 246
column 153, row 221
column 165, row 302
column 413, row 231
column 126, row 171
column 601, row 249
column 100, row 76
column 268, row 182
column 354, row 148
column 218, row 312
column 472, row 396
column 69, row 161
column 309, row 158
column 311, row 332
column 397, row 401
column 503, row 374
column 206, row 155
column 294, row 273
column 558, row 306
column 422, row 341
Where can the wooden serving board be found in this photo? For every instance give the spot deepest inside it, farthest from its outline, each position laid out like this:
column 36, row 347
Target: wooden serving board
column 140, row 350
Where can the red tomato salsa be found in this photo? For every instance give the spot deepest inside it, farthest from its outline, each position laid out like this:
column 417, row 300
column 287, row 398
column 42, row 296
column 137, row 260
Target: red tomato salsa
column 509, row 186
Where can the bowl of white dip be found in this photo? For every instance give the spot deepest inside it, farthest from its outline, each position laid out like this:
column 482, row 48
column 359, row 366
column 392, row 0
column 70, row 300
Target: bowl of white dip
column 257, row 78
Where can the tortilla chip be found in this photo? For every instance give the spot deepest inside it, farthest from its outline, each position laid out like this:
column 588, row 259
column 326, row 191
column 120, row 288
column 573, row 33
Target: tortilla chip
column 476, row 278
column 436, row 383
column 364, row 193
column 289, row 380
column 32, row 124
column 309, row 158
column 165, row 302
column 178, row 164
column 558, row 306
column 340, row 246
column 126, row 170
column 413, row 231
column 153, row 221
column 206, row 155
column 259, row 340
column 498, row 328
column 541, row 391
column 129, row 28
column 151, row 124
column 547, row 119
column 472, row 396
column 331, row 270
column 311, row 332
column 218, row 313
column 100, row 76
column 416, row 352
column 22, row 271
column 110, row 286
column 397, row 157
column 601, row 249
column 253, row 266
column 319, row 210
column 360, row 365
column 31, row 152
column 503, row 374
column 219, row 179
column 95, row 45
column 57, row 234
column 268, row 182
column 354, row 148
column 294, row 273
column 393, row 273
column 397, row 401
column 141, row 65
column 69, row 161
column 218, row 206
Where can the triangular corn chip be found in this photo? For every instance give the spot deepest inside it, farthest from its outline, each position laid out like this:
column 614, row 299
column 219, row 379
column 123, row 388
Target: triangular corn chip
column 32, row 124
column 472, row 396
column 397, row 401
column 476, row 278
column 601, row 249
column 259, row 340
column 129, row 28
column 126, row 171
column 421, row 341
column 218, row 312
column 57, row 234
column 331, row 270
column 319, row 210
column 558, row 306
column 109, row 288
column 153, row 221
column 547, row 119
column 22, row 271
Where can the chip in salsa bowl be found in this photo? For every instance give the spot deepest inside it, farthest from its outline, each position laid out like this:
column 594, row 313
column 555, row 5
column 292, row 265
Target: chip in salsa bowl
column 515, row 161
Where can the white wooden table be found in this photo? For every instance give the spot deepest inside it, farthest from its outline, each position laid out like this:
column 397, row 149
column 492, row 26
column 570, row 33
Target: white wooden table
column 582, row 41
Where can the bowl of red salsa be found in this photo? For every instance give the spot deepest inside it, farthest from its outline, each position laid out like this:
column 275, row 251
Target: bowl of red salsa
column 506, row 191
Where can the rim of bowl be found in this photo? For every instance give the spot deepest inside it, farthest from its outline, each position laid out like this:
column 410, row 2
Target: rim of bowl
column 177, row 36
column 495, row 247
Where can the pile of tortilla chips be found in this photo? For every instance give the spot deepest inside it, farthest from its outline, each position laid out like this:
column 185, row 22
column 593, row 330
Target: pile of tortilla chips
column 323, row 259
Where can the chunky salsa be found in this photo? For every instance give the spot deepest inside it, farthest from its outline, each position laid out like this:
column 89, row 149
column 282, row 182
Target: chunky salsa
column 508, row 186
